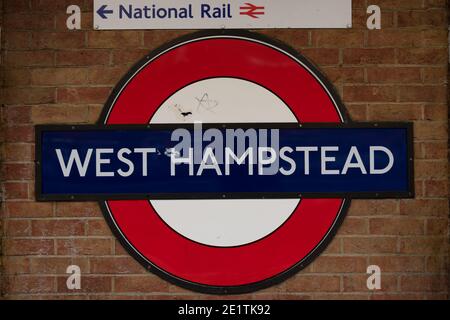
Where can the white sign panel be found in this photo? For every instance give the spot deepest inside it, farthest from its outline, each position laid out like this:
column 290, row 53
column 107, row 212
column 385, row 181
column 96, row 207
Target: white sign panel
column 216, row 14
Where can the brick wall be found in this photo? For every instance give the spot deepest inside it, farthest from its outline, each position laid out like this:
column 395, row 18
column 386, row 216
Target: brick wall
column 52, row 75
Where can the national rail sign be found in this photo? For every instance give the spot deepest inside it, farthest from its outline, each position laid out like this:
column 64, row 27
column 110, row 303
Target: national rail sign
column 218, row 14
column 224, row 162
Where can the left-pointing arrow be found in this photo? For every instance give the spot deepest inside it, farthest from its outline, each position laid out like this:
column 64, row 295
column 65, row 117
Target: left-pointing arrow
column 102, row 12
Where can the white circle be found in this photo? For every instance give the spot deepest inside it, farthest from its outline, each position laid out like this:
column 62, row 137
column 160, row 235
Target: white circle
column 224, row 223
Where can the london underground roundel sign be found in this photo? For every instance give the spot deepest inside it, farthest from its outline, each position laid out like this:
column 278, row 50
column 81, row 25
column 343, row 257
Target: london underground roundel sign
column 224, row 245
column 228, row 227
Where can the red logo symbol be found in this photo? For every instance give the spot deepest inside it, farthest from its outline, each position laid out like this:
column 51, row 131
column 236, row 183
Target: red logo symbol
column 168, row 247
column 251, row 10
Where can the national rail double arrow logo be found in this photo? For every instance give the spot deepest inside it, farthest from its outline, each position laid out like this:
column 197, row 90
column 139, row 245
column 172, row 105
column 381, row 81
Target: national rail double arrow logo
column 251, row 10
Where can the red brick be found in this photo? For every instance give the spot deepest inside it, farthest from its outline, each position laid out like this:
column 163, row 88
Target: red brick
column 424, row 207
column 116, row 265
column 59, row 76
column 369, row 56
column 436, row 37
column 148, row 283
column 46, row 114
column 17, row 171
column 27, row 21
column 393, row 38
column 394, row 112
column 17, row 77
column 30, row 284
column 17, row 114
column 437, row 264
column 357, row 112
column 83, row 95
column 340, row 264
column 58, row 40
column 16, row 5
column 19, row 134
column 337, row 38
column 21, row 247
column 435, row 4
column 16, row 190
column 423, row 283
column 430, row 169
column 29, row 209
column 369, row 93
column 29, row 58
column 393, row 75
column 18, row 152
column 354, row 226
column 422, row 56
column 436, row 188
column 313, row 283
column 114, row 39
column 435, row 150
column 422, row 94
column 17, row 40
column 82, row 57
column 77, row 209
column 374, row 207
column 13, row 265
column 17, row 228
column 435, row 112
column 84, row 246
column 437, row 227
column 436, row 75
column 430, row 130
column 42, row 228
column 28, row 95
column 398, row 263
column 423, row 245
column 370, row 245
column 433, row 18
column 396, row 226
column 98, row 227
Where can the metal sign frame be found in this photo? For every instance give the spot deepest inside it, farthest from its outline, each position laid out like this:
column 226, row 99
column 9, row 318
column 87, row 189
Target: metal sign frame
column 228, row 195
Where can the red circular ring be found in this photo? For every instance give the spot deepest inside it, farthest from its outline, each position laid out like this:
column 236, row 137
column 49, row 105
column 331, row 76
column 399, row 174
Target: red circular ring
column 202, row 267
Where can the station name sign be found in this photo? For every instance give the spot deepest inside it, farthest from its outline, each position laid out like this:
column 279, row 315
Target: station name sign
column 216, row 14
column 224, row 161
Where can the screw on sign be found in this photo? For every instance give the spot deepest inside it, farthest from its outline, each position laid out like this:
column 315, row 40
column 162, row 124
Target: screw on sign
column 224, row 162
